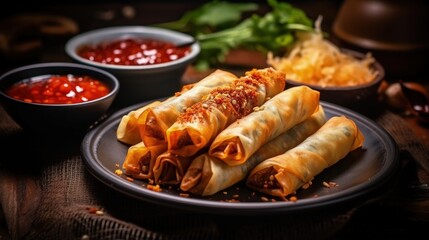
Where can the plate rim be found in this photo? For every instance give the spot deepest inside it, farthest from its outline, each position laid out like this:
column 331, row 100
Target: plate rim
column 352, row 194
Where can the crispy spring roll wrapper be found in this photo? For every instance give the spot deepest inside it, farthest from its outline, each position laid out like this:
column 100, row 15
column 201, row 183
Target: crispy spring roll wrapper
column 284, row 174
column 127, row 131
column 170, row 168
column 153, row 122
column 208, row 175
column 198, row 125
column 140, row 159
column 241, row 139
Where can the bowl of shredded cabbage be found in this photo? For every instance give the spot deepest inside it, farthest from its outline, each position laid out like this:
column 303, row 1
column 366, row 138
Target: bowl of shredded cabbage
column 342, row 76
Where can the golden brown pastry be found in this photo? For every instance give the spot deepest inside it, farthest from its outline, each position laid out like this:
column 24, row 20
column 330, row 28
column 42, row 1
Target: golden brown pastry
column 284, row 174
column 154, row 122
column 208, row 175
column 140, row 159
column 241, row 139
column 200, row 123
column 127, row 131
column 170, row 168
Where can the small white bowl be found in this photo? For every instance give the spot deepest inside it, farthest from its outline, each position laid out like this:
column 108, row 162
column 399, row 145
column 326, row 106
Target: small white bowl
column 138, row 82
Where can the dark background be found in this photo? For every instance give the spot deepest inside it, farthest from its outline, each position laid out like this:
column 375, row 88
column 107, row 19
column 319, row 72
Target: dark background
column 93, row 14
column 15, row 7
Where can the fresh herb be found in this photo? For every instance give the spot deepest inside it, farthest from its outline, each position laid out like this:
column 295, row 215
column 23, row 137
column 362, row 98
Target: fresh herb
column 206, row 19
column 217, row 34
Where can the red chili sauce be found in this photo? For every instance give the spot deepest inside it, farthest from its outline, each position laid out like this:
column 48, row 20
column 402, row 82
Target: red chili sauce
column 58, row 89
column 134, row 52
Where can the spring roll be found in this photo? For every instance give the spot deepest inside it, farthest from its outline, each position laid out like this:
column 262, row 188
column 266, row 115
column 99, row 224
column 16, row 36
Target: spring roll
column 199, row 124
column 154, row 121
column 140, row 159
column 241, row 139
column 286, row 173
column 170, row 168
column 127, row 131
column 208, row 175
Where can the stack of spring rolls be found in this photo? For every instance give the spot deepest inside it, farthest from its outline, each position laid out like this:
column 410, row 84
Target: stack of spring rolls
column 225, row 129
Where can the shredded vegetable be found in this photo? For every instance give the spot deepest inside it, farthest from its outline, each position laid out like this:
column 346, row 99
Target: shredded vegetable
column 317, row 61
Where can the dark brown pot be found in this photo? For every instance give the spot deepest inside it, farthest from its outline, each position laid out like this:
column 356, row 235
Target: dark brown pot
column 393, row 30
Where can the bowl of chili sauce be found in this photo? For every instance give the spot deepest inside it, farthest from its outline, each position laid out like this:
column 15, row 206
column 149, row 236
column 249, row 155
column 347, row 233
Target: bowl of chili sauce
column 64, row 99
column 149, row 62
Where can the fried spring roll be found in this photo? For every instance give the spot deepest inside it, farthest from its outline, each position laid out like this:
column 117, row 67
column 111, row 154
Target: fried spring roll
column 127, row 131
column 140, row 159
column 170, row 168
column 199, row 124
column 153, row 122
column 241, row 139
column 284, row 174
column 208, row 175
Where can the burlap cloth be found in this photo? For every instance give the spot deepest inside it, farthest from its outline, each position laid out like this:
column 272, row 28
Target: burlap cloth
column 46, row 193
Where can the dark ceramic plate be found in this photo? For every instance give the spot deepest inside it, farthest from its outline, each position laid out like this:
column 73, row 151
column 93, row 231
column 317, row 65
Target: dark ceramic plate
column 360, row 176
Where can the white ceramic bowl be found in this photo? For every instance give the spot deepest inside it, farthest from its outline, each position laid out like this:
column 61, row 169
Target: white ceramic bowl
column 138, row 82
